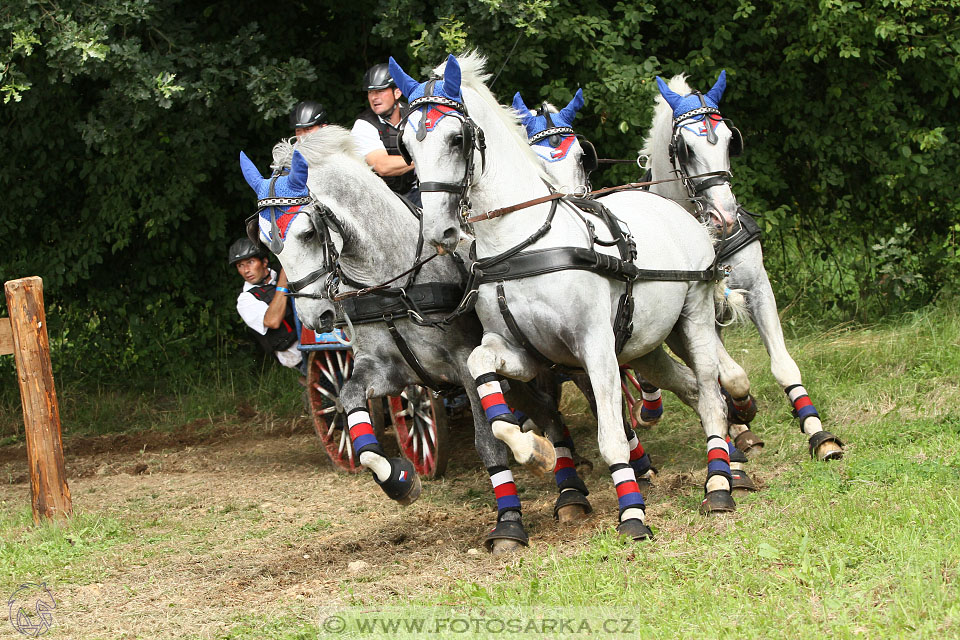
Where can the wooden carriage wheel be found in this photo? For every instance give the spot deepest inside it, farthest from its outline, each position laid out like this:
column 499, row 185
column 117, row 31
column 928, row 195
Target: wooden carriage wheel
column 327, row 371
column 420, row 420
column 632, row 398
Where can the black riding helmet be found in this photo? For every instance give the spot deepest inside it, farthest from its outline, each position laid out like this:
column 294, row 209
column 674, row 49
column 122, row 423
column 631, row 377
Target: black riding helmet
column 308, row 113
column 243, row 249
column 378, row 77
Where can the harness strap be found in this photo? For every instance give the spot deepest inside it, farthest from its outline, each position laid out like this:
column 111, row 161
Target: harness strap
column 411, row 358
column 515, row 329
column 420, row 298
column 541, row 261
column 496, row 213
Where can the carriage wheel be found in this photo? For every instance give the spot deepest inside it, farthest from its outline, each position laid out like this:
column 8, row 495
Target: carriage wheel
column 327, row 371
column 420, row 420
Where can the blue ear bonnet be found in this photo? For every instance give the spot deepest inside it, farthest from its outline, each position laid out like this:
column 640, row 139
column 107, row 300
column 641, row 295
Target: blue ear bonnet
column 536, row 124
column 686, row 104
column 292, row 185
column 448, row 87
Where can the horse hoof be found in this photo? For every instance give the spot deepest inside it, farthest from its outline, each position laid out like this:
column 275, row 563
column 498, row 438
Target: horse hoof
column 741, row 481
column 506, row 537
column 748, row 443
column 826, row 446
column 403, row 485
column 644, row 417
column 571, row 506
column 542, row 457
column 635, row 529
column 719, row 501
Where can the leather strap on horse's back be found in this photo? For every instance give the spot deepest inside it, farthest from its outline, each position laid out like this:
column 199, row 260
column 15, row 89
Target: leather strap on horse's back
column 411, row 358
column 423, row 298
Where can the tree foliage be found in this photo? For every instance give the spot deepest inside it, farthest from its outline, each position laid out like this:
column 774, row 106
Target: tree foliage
column 122, row 121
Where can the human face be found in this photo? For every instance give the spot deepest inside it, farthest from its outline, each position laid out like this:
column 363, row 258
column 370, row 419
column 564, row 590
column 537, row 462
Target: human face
column 253, row 270
column 382, row 100
column 302, row 132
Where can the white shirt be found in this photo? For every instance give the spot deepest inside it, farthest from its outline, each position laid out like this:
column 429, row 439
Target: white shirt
column 366, row 137
column 252, row 311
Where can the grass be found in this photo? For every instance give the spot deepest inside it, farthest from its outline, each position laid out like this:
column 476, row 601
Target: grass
column 867, row 547
column 140, row 403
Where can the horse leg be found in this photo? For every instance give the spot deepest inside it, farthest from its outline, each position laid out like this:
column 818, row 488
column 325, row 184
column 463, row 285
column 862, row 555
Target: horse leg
column 739, row 411
column 700, row 343
column 571, row 504
column 508, row 534
column 763, row 310
column 493, row 357
column 601, row 365
column 396, row 476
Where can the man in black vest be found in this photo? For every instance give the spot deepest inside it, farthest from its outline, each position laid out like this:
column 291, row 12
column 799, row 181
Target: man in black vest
column 263, row 303
column 375, row 133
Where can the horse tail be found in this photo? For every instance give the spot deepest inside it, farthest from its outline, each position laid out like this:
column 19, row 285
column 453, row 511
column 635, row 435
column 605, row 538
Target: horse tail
column 730, row 304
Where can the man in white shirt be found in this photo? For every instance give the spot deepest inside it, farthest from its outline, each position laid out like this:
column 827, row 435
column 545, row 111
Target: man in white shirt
column 376, row 134
column 263, row 304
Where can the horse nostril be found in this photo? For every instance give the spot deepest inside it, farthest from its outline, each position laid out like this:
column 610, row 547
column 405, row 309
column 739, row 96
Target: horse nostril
column 326, row 321
column 450, row 236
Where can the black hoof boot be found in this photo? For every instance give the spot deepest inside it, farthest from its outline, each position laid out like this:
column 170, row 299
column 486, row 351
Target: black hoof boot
column 745, row 413
column 571, row 504
column 507, row 536
column 719, row 501
column 403, row 485
column 833, row 450
column 741, row 481
column 635, row 529
column 749, row 443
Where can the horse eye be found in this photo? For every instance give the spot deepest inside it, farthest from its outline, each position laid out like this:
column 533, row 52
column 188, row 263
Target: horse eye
column 457, row 140
column 308, row 235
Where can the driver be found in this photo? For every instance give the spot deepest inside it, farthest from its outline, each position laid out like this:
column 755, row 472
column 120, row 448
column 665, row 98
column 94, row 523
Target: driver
column 263, row 304
column 376, row 133
column 308, row 116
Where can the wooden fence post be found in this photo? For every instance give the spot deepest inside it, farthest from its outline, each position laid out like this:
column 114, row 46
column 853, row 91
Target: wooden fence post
column 41, row 416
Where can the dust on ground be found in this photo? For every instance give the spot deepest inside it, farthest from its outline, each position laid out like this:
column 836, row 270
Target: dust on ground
column 232, row 521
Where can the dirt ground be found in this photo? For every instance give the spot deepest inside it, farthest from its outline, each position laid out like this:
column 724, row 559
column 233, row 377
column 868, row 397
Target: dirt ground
column 226, row 522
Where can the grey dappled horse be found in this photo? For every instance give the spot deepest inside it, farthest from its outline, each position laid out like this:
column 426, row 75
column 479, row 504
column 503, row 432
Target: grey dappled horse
column 689, row 137
column 376, row 238
column 471, row 156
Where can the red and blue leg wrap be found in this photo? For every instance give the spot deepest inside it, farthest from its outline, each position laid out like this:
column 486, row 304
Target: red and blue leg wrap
column 652, row 404
column 639, row 460
column 491, row 397
column 565, row 471
column 802, row 405
column 628, row 492
column 504, row 489
column 718, row 458
column 735, row 454
column 361, row 432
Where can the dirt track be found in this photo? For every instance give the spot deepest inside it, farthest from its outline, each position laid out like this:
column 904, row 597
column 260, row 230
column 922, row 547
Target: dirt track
column 223, row 521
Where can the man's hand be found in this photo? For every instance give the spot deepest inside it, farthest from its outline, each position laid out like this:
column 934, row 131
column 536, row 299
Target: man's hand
column 273, row 318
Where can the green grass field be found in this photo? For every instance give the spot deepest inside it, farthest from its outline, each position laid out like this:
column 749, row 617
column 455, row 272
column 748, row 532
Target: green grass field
column 865, row 547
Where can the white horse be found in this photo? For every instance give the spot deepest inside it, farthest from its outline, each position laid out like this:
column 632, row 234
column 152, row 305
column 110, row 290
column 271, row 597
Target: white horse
column 375, row 238
column 568, row 160
column 689, row 137
column 470, row 150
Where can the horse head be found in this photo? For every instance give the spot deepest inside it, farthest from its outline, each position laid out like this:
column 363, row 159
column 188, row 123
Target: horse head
column 703, row 142
column 567, row 158
column 297, row 234
column 437, row 108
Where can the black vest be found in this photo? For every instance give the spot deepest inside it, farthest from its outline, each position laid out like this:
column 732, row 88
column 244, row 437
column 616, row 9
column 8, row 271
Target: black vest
column 285, row 335
column 388, row 136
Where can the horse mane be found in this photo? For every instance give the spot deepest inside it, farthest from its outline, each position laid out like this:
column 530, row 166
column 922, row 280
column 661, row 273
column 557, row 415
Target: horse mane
column 657, row 142
column 335, row 141
column 282, row 155
column 473, row 77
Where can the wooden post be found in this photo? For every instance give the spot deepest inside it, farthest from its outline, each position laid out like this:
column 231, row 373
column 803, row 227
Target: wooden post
column 41, row 416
